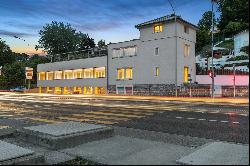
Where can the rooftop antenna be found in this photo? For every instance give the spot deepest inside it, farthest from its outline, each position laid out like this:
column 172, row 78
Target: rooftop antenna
column 171, row 6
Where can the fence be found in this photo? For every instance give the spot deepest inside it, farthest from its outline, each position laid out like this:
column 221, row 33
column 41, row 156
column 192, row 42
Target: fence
column 223, row 72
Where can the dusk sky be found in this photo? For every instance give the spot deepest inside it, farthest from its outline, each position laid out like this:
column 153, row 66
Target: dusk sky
column 111, row 20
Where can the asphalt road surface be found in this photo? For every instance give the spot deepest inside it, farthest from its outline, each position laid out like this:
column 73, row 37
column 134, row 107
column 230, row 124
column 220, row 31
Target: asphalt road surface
column 218, row 121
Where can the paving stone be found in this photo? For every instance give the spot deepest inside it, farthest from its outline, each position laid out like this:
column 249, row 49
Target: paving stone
column 218, row 153
column 63, row 129
column 9, row 151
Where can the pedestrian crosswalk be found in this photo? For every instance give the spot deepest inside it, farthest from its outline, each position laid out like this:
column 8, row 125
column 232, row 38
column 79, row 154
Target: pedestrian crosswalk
column 39, row 109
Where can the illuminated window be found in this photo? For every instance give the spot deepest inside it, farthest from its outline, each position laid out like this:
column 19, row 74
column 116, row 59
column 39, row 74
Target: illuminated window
column 42, row 76
column 186, row 50
column 157, row 71
column 88, row 73
column 157, row 51
column 66, row 90
column 185, row 74
column 120, row 74
column 58, row 75
column 49, row 90
column 88, row 90
column 77, row 90
column 158, row 28
column 49, row 76
column 100, row 72
column 99, row 90
column 186, row 29
column 68, row 74
column 58, row 90
column 77, row 74
column 129, row 73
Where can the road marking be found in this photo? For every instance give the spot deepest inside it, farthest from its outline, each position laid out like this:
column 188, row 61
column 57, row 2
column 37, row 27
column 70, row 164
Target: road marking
column 101, row 117
column 190, row 118
column 212, row 120
column 215, row 112
column 236, row 122
column 114, row 114
column 179, row 117
column 224, row 121
column 201, row 119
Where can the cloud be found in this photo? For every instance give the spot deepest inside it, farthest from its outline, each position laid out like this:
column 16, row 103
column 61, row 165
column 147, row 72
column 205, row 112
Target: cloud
column 12, row 34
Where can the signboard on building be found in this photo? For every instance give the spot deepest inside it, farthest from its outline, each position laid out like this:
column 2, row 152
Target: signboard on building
column 29, row 73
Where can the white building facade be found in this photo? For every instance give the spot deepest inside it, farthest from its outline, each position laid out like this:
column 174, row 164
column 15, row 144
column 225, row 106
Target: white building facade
column 160, row 60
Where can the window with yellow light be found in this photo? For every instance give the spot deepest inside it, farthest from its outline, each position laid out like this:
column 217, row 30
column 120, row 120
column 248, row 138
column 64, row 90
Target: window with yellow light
column 158, row 28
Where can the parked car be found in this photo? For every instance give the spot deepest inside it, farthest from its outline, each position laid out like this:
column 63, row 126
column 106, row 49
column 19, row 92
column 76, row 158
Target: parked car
column 18, row 89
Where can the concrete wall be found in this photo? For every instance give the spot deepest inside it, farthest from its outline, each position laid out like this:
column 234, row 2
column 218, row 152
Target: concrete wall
column 70, row 65
column 223, row 80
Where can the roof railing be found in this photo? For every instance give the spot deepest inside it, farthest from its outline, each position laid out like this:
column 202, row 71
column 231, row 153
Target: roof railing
column 81, row 54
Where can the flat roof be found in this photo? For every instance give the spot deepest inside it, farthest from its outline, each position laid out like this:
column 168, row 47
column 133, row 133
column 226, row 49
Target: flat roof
column 168, row 18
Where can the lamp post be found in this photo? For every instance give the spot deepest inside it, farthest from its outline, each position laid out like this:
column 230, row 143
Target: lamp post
column 213, row 47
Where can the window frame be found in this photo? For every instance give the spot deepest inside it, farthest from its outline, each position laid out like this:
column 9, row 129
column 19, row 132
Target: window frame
column 160, row 26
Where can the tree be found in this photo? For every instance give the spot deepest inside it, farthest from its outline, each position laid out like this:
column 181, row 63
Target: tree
column 57, row 38
column 245, row 49
column 234, row 12
column 101, row 44
column 205, row 22
column 6, row 55
column 13, row 75
column 204, row 32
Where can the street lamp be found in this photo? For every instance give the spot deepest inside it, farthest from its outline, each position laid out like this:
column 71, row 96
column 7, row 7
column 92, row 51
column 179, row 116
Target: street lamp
column 213, row 1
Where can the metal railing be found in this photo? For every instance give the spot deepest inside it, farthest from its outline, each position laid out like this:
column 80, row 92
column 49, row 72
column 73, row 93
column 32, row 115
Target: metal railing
column 81, row 54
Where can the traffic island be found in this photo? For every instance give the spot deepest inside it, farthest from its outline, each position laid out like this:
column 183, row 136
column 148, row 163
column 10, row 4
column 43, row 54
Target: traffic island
column 64, row 135
column 14, row 155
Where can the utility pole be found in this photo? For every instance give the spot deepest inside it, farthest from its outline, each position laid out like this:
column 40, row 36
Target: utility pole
column 213, row 47
column 176, row 59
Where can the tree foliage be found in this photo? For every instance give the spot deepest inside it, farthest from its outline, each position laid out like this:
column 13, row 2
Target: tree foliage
column 205, row 22
column 57, row 38
column 101, row 44
column 234, row 16
column 6, row 56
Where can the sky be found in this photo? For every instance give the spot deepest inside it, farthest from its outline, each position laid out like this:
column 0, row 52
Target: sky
column 110, row 20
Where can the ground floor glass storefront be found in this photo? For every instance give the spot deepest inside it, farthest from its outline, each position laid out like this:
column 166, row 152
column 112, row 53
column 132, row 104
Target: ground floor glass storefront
column 85, row 90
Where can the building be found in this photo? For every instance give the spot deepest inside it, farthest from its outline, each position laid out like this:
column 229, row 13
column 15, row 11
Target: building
column 241, row 40
column 161, row 59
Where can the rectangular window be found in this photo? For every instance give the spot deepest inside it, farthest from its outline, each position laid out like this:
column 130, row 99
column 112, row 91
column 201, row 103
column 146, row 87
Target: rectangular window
column 186, row 74
column 157, row 71
column 88, row 90
column 42, row 76
column 186, row 29
column 100, row 72
column 118, row 52
column 130, row 51
column 88, row 73
column 158, row 28
column 129, row 73
column 68, row 74
column 58, row 75
column 78, row 74
column 157, row 51
column 186, row 50
column 49, row 76
column 120, row 74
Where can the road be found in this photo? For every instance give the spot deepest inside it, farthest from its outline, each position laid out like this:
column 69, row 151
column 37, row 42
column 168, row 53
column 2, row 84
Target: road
column 217, row 121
